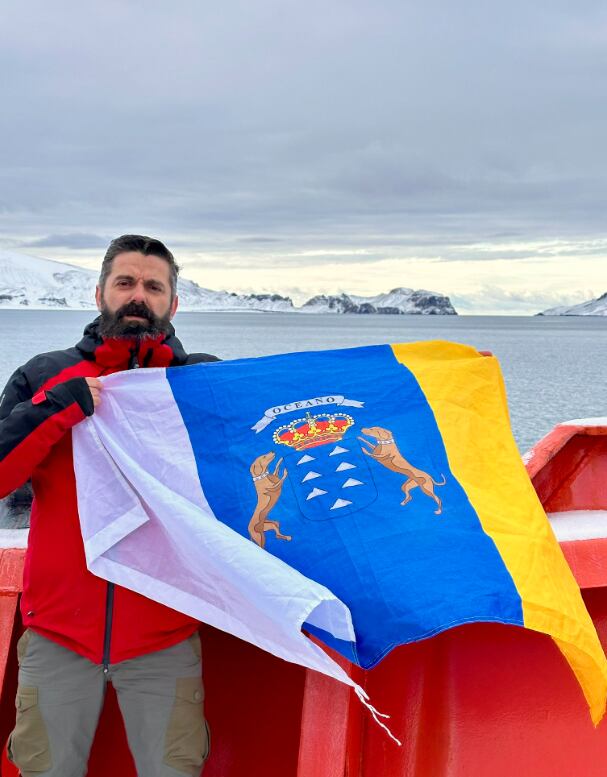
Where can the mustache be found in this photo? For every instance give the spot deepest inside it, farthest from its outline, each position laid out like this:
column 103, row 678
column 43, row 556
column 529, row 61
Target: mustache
column 139, row 309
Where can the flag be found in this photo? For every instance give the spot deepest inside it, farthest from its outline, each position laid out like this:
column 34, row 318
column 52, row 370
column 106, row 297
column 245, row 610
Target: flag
column 373, row 495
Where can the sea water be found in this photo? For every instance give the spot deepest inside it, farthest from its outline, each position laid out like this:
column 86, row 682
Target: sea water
column 555, row 368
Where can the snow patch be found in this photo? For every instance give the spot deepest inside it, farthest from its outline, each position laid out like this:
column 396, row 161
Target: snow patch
column 14, row 538
column 579, row 525
column 601, row 421
column 593, row 307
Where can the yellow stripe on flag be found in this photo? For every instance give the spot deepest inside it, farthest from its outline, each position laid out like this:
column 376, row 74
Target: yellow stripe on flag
column 467, row 395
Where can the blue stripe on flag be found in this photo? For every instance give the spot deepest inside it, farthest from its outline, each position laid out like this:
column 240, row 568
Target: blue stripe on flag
column 404, row 571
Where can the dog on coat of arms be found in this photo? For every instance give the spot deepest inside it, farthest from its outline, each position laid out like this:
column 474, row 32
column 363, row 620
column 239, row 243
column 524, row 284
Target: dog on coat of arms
column 385, row 451
column 268, row 486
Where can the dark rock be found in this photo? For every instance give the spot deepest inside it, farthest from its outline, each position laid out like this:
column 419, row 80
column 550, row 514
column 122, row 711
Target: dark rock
column 388, row 310
column 269, row 298
column 433, row 304
column 365, row 307
column 15, row 508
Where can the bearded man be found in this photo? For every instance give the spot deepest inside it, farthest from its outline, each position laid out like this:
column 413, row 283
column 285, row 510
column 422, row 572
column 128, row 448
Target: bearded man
column 81, row 631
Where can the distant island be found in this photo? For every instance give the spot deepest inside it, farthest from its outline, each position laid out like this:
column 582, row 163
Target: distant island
column 593, row 307
column 36, row 283
column 396, row 302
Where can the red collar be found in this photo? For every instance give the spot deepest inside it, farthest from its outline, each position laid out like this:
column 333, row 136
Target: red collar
column 117, row 353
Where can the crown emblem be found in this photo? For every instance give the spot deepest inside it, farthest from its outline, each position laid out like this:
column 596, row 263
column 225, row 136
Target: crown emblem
column 313, row 430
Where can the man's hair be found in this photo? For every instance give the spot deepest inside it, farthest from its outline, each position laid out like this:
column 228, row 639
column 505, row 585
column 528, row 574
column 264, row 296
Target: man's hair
column 148, row 246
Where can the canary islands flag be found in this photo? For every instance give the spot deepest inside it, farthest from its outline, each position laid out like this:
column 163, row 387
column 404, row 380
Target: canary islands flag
column 374, row 496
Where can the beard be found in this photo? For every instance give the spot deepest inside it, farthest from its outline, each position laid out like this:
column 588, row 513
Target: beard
column 113, row 324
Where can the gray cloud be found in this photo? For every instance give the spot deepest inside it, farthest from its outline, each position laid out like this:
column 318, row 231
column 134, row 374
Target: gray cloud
column 350, row 124
column 260, row 239
column 73, row 240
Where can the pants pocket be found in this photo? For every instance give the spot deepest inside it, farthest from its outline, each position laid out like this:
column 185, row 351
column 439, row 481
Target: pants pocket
column 28, row 745
column 194, row 641
column 22, row 645
column 187, row 738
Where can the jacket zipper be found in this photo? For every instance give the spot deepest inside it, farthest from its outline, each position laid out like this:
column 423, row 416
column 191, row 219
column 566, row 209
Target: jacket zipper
column 109, row 599
column 107, row 637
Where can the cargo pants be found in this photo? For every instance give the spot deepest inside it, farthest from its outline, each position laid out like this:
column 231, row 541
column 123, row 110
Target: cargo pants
column 60, row 696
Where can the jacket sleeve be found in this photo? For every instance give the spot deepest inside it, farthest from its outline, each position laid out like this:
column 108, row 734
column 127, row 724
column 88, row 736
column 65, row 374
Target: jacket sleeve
column 197, row 358
column 30, row 424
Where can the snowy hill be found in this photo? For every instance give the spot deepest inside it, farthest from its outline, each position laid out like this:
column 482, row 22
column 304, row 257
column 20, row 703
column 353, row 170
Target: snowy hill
column 397, row 301
column 194, row 297
column 593, row 307
column 34, row 283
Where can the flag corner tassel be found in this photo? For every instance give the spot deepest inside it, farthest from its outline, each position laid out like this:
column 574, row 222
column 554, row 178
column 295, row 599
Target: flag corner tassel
column 364, row 698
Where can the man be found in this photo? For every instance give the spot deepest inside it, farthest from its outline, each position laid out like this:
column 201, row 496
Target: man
column 81, row 631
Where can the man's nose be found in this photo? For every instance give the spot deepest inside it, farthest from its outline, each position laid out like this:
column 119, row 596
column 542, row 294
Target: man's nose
column 138, row 293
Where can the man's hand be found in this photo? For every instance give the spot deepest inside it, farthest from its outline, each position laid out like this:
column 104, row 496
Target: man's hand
column 95, row 386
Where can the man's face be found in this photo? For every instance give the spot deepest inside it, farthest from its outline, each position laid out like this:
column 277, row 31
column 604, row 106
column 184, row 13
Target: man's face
column 136, row 298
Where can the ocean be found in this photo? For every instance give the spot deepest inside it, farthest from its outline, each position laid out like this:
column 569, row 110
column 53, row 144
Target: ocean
column 555, row 368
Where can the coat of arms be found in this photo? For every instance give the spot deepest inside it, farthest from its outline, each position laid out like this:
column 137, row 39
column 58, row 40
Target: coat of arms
column 327, row 468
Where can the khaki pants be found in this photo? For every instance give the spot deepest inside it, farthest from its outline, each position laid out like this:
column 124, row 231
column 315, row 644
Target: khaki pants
column 60, row 697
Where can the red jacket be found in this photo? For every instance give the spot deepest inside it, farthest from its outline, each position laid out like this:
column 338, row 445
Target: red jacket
column 61, row 599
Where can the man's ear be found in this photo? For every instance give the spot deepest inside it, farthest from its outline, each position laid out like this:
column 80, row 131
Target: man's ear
column 98, row 297
column 174, row 306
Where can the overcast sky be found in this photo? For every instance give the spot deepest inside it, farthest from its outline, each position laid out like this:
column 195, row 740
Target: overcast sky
column 305, row 147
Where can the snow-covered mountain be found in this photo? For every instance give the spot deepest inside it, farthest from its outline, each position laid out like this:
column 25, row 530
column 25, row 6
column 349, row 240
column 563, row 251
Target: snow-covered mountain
column 194, row 297
column 397, row 301
column 33, row 282
column 593, row 307
column 36, row 283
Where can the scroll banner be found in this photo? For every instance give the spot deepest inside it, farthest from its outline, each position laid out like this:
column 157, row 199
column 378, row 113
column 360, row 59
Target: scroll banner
column 304, row 404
